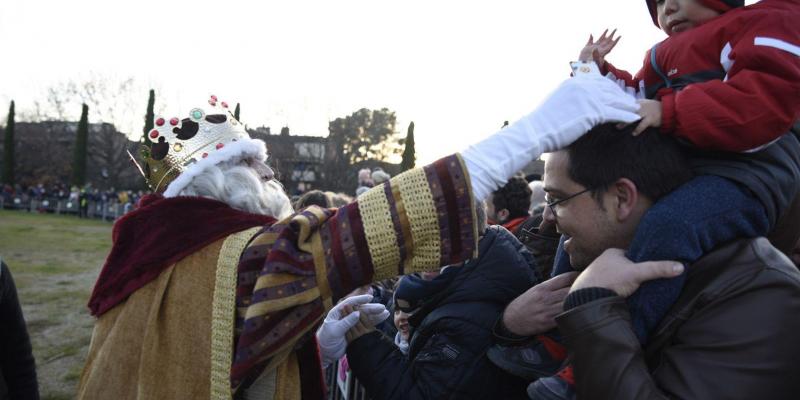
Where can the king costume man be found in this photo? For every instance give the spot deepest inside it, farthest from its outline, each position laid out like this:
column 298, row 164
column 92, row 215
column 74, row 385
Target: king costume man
column 200, row 299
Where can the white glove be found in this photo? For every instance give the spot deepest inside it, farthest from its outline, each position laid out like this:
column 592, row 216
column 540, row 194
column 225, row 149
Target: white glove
column 574, row 108
column 331, row 335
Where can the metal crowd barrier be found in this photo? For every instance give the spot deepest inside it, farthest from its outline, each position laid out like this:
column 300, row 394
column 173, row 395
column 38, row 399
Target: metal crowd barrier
column 343, row 384
column 108, row 211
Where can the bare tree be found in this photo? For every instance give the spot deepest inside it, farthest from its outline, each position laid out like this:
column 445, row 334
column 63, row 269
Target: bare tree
column 116, row 108
column 120, row 102
column 107, row 153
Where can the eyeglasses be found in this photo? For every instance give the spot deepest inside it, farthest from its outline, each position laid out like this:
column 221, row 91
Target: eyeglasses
column 552, row 204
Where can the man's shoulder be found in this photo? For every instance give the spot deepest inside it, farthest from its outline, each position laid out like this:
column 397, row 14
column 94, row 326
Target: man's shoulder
column 741, row 265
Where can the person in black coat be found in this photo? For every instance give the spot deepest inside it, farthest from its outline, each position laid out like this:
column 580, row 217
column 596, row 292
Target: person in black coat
column 17, row 366
column 451, row 331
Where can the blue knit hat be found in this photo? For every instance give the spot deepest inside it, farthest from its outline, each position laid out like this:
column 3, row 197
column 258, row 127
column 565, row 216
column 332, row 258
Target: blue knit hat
column 413, row 291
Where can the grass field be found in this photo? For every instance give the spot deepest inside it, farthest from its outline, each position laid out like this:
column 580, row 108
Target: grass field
column 55, row 261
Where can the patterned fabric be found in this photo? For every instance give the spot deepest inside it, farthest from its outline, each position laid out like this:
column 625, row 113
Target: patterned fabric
column 293, row 271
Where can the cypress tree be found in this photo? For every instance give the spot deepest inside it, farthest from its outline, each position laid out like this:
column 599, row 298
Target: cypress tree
column 148, row 118
column 79, row 159
column 409, row 154
column 8, row 149
column 236, row 113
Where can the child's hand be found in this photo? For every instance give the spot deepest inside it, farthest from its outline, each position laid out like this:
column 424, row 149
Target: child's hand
column 362, row 327
column 650, row 111
column 597, row 51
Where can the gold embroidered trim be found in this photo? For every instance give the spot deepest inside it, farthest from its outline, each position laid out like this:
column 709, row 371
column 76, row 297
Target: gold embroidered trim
column 223, row 312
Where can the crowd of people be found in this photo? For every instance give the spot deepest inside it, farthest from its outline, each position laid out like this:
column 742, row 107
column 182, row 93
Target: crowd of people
column 46, row 197
column 657, row 257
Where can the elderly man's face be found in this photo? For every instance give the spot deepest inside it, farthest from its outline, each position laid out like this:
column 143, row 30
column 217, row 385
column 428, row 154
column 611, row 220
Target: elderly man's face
column 263, row 170
column 591, row 227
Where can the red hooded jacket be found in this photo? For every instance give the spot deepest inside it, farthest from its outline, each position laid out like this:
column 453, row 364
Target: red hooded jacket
column 731, row 84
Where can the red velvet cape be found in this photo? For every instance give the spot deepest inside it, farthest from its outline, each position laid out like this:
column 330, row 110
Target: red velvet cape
column 161, row 232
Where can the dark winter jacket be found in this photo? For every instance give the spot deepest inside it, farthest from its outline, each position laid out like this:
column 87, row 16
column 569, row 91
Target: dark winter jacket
column 17, row 366
column 451, row 333
column 732, row 334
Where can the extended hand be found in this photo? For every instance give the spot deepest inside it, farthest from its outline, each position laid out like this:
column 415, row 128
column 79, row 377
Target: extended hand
column 612, row 270
column 534, row 311
column 342, row 317
column 362, row 327
column 597, row 50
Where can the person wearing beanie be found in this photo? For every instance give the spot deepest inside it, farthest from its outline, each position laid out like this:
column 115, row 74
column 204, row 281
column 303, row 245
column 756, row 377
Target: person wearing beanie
column 701, row 84
column 411, row 293
column 450, row 327
column 379, row 176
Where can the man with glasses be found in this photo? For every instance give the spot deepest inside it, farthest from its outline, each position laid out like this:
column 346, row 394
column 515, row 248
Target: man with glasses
column 730, row 334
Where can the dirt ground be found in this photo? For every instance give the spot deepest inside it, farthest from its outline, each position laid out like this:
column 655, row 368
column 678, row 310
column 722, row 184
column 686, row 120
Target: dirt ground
column 54, row 261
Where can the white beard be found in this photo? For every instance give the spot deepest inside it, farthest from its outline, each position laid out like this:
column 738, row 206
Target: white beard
column 242, row 188
column 274, row 201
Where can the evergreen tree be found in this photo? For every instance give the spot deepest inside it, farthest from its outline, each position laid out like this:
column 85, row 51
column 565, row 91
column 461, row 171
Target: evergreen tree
column 81, row 141
column 236, row 113
column 8, row 149
column 148, row 118
column 409, row 154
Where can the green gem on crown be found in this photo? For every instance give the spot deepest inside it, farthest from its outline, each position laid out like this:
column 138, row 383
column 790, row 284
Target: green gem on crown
column 197, row 114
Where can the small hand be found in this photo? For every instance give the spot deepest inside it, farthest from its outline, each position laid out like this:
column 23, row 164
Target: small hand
column 612, row 270
column 534, row 311
column 362, row 327
column 597, row 50
column 650, row 111
column 342, row 317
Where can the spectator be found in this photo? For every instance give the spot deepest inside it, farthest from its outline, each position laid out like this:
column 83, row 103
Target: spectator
column 451, row 328
column 339, row 199
column 379, row 177
column 537, row 197
column 735, row 308
column 365, row 181
column 17, row 365
column 313, row 197
column 509, row 205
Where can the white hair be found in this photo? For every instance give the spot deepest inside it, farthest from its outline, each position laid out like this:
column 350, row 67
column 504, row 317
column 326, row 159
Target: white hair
column 240, row 186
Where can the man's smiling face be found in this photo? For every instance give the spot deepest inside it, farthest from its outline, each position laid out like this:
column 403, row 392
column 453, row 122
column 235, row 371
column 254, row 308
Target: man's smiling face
column 590, row 226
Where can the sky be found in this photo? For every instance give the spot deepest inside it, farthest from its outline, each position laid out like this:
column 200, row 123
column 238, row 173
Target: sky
column 458, row 69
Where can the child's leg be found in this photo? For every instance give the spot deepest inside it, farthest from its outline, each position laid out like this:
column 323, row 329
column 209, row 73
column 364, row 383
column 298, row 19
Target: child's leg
column 687, row 223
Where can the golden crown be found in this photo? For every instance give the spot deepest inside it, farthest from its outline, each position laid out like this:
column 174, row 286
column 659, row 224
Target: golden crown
column 182, row 148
